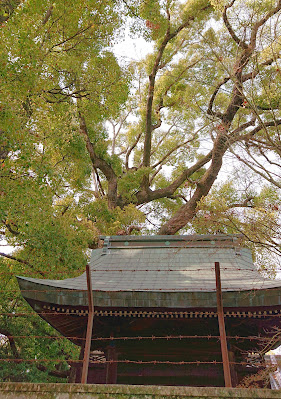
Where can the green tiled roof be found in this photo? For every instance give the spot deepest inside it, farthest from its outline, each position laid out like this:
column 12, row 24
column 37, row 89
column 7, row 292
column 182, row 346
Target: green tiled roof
column 163, row 271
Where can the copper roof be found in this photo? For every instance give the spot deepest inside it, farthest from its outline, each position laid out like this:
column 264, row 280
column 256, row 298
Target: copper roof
column 163, row 271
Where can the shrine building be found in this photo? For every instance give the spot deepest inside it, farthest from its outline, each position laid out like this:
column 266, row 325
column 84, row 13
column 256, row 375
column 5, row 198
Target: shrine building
column 155, row 309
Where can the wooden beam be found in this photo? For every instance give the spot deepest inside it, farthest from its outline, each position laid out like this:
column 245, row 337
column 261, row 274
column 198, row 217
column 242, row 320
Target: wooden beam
column 89, row 328
column 224, row 351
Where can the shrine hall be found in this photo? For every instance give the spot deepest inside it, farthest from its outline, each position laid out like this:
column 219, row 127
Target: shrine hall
column 155, row 309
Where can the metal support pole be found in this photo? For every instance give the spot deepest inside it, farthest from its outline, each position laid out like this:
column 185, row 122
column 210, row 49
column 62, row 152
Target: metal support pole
column 89, row 328
column 224, row 351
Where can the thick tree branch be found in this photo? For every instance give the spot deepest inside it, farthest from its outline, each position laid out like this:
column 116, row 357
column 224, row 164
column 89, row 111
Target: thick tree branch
column 221, row 144
column 150, row 96
column 152, row 77
column 54, row 373
column 210, row 110
column 177, row 196
column 144, row 197
column 48, row 15
column 130, row 149
column 101, row 164
column 261, row 22
column 188, row 210
column 237, row 93
column 240, row 42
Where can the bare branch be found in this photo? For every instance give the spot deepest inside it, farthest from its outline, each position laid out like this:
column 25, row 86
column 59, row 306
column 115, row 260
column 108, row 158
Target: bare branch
column 21, row 261
column 173, row 150
column 158, row 144
column 257, row 129
column 244, row 126
column 245, row 204
column 177, row 196
column 155, row 174
column 253, row 74
column 17, row 356
column 116, row 133
column 79, row 32
column 265, row 174
column 10, row 228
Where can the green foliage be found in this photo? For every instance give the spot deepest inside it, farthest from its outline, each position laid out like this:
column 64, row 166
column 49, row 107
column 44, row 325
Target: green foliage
column 254, row 213
column 33, row 338
column 130, row 183
column 192, row 7
column 156, row 22
column 218, row 4
column 55, row 57
column 112, row 221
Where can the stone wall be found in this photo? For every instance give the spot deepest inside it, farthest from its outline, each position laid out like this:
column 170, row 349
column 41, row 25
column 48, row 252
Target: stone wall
column 78, row 391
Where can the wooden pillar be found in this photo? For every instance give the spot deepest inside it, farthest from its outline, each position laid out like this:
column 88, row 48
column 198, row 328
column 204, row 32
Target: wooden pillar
column 224, row 351
column 111, row 368
column 233, row 372
column 76, row 367
column 77, row 372
column 89, row 328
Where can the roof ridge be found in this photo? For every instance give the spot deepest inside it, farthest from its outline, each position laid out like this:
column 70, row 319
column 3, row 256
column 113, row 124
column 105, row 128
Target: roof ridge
column 187, row 237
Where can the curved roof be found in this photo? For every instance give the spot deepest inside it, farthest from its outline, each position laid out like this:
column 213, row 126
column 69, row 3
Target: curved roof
column 163, row 271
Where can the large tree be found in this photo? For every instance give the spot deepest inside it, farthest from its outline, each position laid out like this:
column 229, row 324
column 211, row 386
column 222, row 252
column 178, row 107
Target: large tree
column 185, row 140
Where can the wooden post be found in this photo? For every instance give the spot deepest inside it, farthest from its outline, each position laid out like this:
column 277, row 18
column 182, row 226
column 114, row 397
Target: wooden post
column 224, row 351
column 233, row 372
column 89, row 328
column 111, row 368
column 76, row 369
